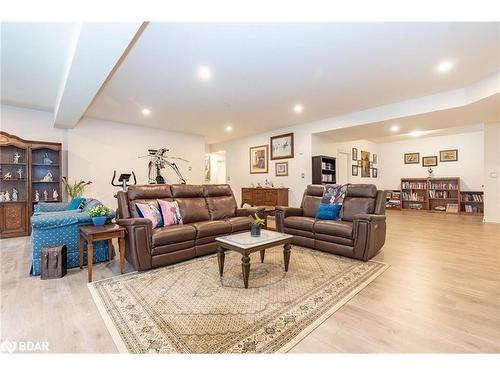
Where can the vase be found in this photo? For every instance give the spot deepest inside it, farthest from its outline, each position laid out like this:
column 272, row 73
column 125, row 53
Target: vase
column 99, row 220
column 255, row 230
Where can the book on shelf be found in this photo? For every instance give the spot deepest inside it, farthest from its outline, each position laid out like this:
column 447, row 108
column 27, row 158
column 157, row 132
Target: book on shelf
column 452, row 208
column 472, row 197
column 416, row 206
column 327, row 177
column 413, row 196
column 472, row 209
column 414, row 185
column 443, row 186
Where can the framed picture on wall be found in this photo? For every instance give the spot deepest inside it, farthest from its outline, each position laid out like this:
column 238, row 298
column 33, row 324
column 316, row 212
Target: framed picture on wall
column 207, row 168
column 412, row 158
column 374, row 158
column 429, row 161
column 354, row 154
column 365, row 164
column 354, row 170
column 281, row 168
column 374, row 172
column 259, row 159
column 282, row 146
column 448, row 155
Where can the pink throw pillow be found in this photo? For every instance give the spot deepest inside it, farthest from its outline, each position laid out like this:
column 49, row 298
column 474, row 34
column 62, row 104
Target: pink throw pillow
column 170, row 212
column 150, row 211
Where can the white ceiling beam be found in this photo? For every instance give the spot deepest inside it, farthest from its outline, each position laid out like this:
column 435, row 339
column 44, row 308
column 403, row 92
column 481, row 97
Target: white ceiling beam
column 97, row 50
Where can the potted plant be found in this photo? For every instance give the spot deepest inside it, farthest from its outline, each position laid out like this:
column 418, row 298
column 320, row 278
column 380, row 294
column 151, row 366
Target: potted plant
column 99, row 214
column 256, row 224
column 76, row 189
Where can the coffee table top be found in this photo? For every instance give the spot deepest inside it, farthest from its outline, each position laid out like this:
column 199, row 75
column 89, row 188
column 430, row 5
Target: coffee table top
column 246, row 241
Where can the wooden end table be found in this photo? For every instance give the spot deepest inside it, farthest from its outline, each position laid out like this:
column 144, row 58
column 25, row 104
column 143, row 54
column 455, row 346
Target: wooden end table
column 245, row 244
column 91, row 233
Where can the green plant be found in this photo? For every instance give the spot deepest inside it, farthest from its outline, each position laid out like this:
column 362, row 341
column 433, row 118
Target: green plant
column 256, row 221
column 76, row 189
column 99, row 210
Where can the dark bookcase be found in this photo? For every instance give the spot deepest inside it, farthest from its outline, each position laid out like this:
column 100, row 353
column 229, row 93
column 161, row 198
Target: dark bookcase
column 324, row 170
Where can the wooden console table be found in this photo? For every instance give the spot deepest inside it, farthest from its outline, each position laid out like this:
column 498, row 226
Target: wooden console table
column 264, row 196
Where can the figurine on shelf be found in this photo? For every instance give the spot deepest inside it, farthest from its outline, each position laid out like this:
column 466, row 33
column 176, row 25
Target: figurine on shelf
column 14, row 194
column 7, row 196
column 267, row 183
column 17, row 156
column 431, row 172
column 45, row 195
column 259, row 185
column 55, row 195
column 2, row 196
column 46, row 159
column 7, row 176
column 37, row 196
column 20, row 173
column 48, row 177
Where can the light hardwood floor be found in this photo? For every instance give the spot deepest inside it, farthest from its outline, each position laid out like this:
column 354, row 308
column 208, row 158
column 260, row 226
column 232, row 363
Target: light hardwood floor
column 441, row 294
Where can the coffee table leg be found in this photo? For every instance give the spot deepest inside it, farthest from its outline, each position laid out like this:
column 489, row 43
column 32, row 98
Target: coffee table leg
column 286, row 255
column 245, row 267
column 262, row 255
column 220, row 259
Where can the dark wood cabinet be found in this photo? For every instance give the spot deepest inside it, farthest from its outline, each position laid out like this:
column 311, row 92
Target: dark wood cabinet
column 324, row 170
column 264, row 196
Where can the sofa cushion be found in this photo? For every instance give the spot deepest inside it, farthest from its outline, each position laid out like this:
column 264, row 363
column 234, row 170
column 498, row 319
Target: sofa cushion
column 310, row 205
column 239, row 223
column 334, row 228
column 329, row 211
column 173, row 234
column 300, row 222
column 211, row 228
column 354, row 205
column 193, row 209
column 186, row 191
column 221, row 208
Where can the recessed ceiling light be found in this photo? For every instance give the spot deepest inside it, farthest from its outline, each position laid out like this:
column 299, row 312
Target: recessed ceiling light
column 298, row 108
column 416, row 133
column 204, row 73
column 146, row 111
column 229, row 128
column 394, row 128
column 445, row 66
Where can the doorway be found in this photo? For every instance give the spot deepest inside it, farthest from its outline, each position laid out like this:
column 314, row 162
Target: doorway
column 342, row 167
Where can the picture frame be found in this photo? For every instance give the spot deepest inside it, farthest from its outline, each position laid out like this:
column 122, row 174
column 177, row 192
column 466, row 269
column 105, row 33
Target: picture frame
column 282, row 146
column 412, row 158
column 429, row 161
column 448, row 155
column 374, row 158
column 281, row 169
column 207, row 169
column 374, row 172
column 354, row 170
column 259, row 159
column 354, row 154
column 365, row 164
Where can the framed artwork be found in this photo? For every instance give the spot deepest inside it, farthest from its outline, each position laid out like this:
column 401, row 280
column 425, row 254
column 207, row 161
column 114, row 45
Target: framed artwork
column 354, row 170
column 282, row 146
column 207, row 168
column 374, row 158
column 354, row 154
column 281, row 168
column 412, row 158
column 429, row 161
column 259, row 159
column 374, row 172
column 448, row 155
column 365, row 164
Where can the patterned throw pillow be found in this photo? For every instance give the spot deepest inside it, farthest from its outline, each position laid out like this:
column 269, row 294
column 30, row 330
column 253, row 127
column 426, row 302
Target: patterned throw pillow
column 334, row 193
column 150, row 211
column 170, row 213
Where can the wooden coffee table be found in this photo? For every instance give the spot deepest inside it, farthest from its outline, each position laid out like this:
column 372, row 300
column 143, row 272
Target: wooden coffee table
column 245, row 244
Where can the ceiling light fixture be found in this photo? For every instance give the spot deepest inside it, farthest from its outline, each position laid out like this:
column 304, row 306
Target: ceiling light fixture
column 229, row 128
column 394, row 128
column 298, row 108
column 444, row 66
column 146, row 111
column 204, row 73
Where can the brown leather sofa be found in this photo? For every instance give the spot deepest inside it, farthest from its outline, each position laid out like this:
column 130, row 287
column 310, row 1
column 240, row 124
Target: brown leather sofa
column 207, row 211
column 360, row 233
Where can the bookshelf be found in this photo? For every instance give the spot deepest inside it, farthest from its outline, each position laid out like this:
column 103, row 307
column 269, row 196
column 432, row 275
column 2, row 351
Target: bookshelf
column 444, row 194
column 324, row 170
column 393, row 199
column 472, row 203
column 414, row 194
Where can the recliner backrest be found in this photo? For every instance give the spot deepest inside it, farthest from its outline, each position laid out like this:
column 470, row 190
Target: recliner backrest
column 359, row 199
column 220, row 201
column 192, row 203
column 312, row 199
column 143, row 194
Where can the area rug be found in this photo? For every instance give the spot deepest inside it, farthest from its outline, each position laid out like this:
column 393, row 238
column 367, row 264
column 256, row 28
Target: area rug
column 188, row 308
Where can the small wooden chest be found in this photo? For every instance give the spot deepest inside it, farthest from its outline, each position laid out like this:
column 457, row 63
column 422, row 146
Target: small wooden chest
column 54, row 262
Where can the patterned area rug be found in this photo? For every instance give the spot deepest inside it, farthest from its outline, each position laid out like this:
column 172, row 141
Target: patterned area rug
column 188, row 308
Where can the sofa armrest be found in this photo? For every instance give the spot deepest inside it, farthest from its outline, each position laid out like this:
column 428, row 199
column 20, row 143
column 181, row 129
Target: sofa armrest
column 369, row 235
column 138, row 242
column 369, row 217
column 50, row 207
column 250, row 211
column 282, row 212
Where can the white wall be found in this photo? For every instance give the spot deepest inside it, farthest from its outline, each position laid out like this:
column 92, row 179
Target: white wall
column 95, row 148
column 492, row 173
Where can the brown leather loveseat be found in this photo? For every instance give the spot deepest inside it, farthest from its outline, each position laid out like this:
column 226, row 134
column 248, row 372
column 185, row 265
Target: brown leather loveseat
column 207, row 211
column 359, row 234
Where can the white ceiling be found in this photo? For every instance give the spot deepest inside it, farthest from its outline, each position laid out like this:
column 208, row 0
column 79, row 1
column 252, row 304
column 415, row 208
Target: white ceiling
column 33, row 62
column 464, row 119
column 261, row 70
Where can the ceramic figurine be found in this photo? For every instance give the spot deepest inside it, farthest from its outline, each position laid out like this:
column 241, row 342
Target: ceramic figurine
column 45, row 195
column 431, row 172
column 259, row 185
column 55, row 195
column 17, row 156
column 2, row 196
column 48, row 177
column 14, row 194
column 267, row 183
column 20, row 173
column 46, row 159
column 37, row 196
column 7, row 196
column 7, row 176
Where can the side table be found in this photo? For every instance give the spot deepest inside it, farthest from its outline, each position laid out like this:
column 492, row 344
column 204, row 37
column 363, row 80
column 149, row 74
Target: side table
column 91, row 233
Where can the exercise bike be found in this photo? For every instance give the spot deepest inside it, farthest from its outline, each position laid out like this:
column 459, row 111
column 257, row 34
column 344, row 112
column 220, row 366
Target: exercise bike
column 123, row 180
